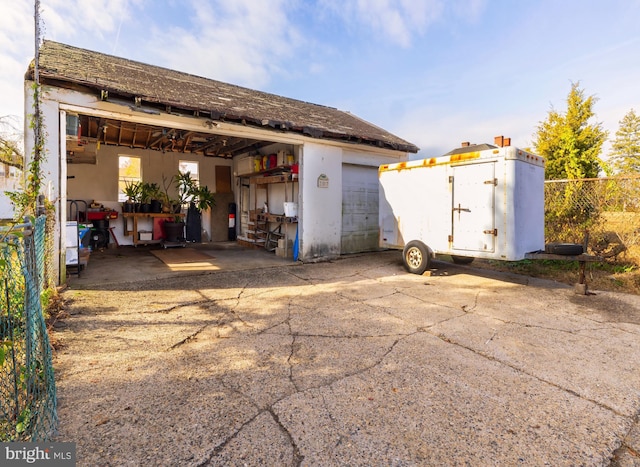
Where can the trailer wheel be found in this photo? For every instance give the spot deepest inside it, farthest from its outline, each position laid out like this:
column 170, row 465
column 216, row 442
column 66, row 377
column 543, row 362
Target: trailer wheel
column 415, row 257
column 462, row 259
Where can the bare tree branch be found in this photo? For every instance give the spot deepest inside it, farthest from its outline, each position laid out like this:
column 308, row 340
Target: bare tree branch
column 10, row 143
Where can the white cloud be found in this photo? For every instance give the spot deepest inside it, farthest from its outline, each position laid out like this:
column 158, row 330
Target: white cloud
column 66, row 19
column 400, row 20
column 62, row 20
column 16, row 22
column 16, row 43
column 437, row 131
column 243, row 41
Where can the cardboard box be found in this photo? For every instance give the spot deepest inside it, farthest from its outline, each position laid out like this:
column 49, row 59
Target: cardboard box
column 145, row 236
column 291, row 209
column 282, row 243
column 245, row 166
column 284, row 252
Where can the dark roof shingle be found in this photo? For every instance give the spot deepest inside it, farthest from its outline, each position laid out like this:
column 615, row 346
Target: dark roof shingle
column 65, row 65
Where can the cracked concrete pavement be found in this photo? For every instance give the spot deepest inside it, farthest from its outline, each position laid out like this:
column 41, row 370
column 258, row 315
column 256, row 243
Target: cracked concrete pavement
column 353, row 362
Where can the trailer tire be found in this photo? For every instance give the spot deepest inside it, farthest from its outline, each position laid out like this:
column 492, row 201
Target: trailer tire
column 462, row 259
column 415, row 257
column 565, row 249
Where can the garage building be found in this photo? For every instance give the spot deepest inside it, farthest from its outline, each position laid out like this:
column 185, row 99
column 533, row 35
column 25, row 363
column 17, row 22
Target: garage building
column 101, row 111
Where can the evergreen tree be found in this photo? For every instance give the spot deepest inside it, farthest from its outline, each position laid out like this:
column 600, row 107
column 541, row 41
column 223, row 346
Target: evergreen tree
column 625, row 149
column 569, row 143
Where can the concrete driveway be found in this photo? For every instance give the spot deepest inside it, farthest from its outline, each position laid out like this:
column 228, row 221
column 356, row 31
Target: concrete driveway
column 353, row 362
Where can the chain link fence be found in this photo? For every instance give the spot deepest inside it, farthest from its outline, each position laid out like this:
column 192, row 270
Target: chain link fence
column 27, row 386
column 607, row 209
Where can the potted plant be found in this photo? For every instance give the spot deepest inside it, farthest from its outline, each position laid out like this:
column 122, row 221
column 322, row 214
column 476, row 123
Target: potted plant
column 132, row 192
column 174, row 228
column 155, row 195
column 165, row 198
column 146, row 191
column 199, row 198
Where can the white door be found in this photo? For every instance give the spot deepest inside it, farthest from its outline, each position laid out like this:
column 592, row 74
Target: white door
column 473, row 207
column 359, row 209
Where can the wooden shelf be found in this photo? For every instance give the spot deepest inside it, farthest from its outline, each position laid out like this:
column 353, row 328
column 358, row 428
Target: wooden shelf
column 272, row 179
column 275, row 170
column 265, row 228
column 144, row 215
column 277, row 218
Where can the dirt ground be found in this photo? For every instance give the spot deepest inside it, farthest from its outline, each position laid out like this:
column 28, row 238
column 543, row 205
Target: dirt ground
column 352, row 362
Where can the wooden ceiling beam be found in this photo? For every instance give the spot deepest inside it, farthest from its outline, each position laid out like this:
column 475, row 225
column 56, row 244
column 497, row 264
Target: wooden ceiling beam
column 139, row 135
column 158, row 138
column 135, row 134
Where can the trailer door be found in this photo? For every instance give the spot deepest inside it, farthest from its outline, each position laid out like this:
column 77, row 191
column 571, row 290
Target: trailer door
column 473, row 210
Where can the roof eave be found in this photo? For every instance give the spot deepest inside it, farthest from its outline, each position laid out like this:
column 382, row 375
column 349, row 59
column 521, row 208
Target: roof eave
column 175, row 107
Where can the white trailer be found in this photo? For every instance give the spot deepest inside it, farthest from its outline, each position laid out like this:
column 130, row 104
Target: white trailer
column 479, row 204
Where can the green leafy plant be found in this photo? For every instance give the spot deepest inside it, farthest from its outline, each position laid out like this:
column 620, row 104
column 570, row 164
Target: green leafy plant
column 190, row 192
column 132, row 191
column 147, row 191
column 185, row 186
column 203, row 198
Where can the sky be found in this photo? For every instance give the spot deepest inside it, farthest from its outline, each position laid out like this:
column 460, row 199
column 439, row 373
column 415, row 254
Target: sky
column 434, row 72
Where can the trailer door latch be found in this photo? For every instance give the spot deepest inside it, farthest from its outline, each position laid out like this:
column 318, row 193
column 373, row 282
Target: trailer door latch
column 493, row 182
column 461, row 209
column 493, row 232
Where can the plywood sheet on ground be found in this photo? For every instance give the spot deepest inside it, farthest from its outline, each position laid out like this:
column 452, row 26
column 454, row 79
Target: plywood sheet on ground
column 185, row 259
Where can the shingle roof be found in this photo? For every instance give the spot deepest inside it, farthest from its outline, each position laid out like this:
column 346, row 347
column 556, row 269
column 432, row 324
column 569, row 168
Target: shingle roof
column 471, row 148
column 67, row 66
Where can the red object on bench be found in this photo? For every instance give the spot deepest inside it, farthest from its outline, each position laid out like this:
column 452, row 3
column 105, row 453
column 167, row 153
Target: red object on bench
column 158, row 232
column 101, row 215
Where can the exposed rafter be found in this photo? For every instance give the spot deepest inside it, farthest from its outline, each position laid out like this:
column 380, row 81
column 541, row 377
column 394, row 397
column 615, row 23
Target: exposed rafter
column 143, row 136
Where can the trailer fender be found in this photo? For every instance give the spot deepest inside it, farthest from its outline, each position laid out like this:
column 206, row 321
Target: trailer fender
column 416, row 257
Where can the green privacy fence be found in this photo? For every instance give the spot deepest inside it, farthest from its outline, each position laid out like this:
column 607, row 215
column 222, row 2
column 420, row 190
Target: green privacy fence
column 27, row 386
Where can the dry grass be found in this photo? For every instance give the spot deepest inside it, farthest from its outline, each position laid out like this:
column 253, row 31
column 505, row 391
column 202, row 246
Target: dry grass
column 615, row 277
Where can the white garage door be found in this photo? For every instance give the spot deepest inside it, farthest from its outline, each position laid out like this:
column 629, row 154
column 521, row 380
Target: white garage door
column 359, row 209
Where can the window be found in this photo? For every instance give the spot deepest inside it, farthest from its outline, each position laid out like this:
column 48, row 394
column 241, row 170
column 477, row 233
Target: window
column 129, row 171
column 9, row 177
column 191, row 167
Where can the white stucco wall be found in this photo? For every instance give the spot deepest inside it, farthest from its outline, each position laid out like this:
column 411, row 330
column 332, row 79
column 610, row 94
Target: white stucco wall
column 321, row 208
column 50, row 165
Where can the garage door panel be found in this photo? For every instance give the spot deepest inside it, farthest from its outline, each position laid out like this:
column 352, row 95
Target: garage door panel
column 359, row 209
